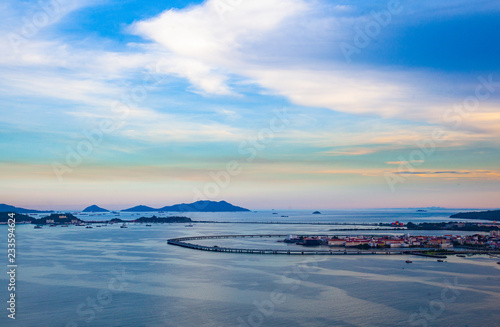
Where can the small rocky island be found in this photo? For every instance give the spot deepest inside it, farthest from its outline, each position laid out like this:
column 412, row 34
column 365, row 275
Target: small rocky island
column 316, row 213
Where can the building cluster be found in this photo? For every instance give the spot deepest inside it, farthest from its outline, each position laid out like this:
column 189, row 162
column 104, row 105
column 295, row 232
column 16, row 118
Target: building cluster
column 404, row 241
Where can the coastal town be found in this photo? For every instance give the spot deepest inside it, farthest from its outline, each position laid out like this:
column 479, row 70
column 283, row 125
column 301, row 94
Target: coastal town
column 476, row 241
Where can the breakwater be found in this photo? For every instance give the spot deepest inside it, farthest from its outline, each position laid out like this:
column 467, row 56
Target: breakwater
column 186, row 242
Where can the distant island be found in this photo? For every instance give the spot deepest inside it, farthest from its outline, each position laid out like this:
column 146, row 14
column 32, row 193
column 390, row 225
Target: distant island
column 94, row 208
column 483, row 215
column 53, row 219
column 9, row 208
column 58, row 219
column 198, row 206
column 316, row 213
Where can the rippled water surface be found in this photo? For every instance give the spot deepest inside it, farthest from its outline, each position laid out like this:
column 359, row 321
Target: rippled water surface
column 110, row 276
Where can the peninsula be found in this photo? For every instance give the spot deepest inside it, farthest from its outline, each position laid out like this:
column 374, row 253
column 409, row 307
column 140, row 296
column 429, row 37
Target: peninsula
column 483, row 215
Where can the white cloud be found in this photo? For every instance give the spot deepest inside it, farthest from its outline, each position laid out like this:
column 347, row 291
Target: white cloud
column 205, row 43
column 262, row 40
column 207, row 48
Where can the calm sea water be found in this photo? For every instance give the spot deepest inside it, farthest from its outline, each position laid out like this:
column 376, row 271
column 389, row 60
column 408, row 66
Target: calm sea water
column 130, row 277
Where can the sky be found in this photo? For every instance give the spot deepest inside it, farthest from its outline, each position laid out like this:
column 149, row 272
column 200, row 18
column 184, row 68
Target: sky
column 290, row 104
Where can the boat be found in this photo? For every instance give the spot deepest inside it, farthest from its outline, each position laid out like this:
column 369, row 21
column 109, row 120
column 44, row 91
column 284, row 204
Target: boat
column 461, row 255
column 64, row 225
column 148, row 225
column 88, row 226
column 190, row 225
column 291, row 239
column 409, row 261
column 440, row 260
column 38, row 227
column 498, row 263
column 123, row 226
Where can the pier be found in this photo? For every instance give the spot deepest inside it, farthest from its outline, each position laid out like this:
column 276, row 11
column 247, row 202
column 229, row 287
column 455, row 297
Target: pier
column 185, row 243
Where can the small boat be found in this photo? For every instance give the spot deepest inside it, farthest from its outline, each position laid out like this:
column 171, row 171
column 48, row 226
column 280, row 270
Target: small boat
column 123, row 226
column 498, row 263
column 190, row 225
column 461, row 255
column 64, row 225
column 148, row 225
column 440, row 260
column 38, row 227
column 409, row 261
column 88, row 226
column 53, row 225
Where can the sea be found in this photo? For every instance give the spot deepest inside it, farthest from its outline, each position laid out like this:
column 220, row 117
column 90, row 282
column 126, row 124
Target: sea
column 112, row 276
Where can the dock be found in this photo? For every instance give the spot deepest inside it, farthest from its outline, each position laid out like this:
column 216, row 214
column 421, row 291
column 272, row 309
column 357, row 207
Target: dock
column 185, row 242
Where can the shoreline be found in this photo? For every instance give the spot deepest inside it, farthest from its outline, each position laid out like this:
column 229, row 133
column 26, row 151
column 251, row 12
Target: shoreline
column 182, row 242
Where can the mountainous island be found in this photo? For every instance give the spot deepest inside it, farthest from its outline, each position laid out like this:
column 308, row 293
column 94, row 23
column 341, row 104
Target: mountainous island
column 483, row 215
column 94, row 208
column 9, row 208
column 198, row 206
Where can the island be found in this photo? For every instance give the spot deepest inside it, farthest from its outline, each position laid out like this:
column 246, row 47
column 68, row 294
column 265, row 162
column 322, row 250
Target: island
column 94, row 208
column 9, row 208
column 141, row 208
column 58, row 219
column 198, row 206
column 316, row 213
column 483, row 215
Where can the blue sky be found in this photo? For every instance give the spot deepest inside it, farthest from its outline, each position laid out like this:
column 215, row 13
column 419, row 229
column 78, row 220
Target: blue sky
column 409, row 117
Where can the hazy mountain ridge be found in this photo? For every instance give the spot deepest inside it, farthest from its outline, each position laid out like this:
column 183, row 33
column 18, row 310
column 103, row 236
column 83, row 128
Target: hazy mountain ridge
column 9, row 208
